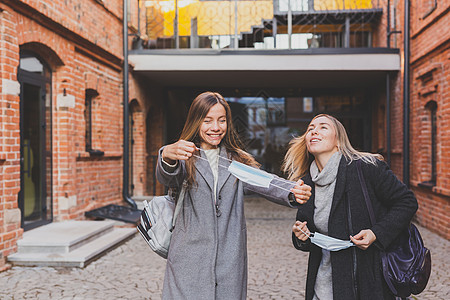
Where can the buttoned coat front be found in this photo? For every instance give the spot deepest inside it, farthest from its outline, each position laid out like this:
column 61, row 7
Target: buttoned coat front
column 394, row 206
column 208, row 252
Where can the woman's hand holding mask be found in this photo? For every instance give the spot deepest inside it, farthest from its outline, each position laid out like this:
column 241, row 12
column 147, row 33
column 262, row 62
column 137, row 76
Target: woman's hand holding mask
column 363, row 239
column 181, row 150
column 301, row 191
column 299, row 229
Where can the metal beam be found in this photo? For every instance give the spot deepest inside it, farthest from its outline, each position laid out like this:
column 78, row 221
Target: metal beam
column 126, row 145
column 406, row 96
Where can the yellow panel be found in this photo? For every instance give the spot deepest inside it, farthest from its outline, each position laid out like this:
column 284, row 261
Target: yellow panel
column 216, row 17
column 342, row 4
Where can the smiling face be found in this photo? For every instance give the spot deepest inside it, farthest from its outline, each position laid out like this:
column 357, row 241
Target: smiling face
column 321, row 137
column 213, row 127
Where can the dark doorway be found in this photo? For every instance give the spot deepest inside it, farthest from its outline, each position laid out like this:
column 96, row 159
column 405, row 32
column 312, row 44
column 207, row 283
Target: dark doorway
column 35, row 197
column 267, row 119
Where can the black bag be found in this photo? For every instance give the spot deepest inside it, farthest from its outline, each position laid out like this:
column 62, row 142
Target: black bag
column 406, row 263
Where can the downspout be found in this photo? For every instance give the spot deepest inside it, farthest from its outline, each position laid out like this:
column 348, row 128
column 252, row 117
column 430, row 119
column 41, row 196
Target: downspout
column 388, row 91
column 406, row 97
column 126, row 150
column 388, row 119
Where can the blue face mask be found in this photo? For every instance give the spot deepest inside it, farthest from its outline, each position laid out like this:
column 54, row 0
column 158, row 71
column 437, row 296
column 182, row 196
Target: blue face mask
column 329, row 243
column 250, row 175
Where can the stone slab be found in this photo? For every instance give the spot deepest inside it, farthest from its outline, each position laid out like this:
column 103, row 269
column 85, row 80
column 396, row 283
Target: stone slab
column 62, row 237
column 79, row 257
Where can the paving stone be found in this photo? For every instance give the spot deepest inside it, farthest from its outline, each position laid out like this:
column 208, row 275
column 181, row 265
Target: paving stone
column 132, row 271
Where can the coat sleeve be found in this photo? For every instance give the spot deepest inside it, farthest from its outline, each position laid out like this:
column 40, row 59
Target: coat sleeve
column 305, row 213
column 278, row 191
column 170, row 176
column 301, row 245
column 400, row 202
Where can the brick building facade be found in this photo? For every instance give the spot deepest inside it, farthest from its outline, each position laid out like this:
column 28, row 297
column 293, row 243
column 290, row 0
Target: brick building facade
column 430, row 113
column 79, row 46
column 429, row 109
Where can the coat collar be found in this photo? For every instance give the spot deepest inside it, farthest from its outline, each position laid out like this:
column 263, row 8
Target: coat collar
column 204, row 169
column 308, row 208
column 340, row 184
column 224, row 163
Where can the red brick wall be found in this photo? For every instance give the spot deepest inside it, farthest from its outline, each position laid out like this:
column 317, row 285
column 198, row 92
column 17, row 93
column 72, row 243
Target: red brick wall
column 379, row 28
column 82, row 43
column 10, row 229
column 155, row 139
column 430, row 76
column 100, row 22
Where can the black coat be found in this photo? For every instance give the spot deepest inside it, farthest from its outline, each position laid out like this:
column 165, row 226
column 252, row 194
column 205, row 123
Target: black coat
column 394, row 206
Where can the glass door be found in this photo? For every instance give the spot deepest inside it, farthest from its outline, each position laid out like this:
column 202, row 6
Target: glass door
column 35, row 146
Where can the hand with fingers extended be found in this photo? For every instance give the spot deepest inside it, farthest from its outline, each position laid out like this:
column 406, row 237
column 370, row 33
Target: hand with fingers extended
column 363, row 239
column 181, row 150
column 301, row 191
column 301, row 231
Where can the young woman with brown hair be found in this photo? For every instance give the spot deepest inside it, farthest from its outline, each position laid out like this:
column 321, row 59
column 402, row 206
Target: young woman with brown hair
column 208, row 252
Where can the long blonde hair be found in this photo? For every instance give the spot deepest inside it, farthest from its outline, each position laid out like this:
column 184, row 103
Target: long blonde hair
column 298, row 160
column 191, row 131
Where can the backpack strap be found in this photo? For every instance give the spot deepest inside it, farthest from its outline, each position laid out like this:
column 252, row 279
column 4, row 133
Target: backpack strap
column 362, row 181
column 179, row 203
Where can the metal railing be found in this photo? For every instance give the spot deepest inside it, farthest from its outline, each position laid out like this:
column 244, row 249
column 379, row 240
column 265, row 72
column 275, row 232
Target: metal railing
column 258, row 24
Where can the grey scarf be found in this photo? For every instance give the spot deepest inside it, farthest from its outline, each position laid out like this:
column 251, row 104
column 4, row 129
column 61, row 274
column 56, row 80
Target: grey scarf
column 325, row 183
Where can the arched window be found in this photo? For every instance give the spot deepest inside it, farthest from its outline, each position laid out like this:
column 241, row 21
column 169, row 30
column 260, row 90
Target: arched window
column 431, row 107
column 30, row 63
column 90, row 95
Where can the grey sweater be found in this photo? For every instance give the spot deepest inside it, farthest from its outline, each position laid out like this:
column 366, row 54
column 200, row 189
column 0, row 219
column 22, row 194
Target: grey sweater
column 325, row 182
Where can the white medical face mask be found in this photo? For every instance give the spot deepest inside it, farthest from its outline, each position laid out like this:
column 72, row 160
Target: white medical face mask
column 329, row 243
column 250, row 175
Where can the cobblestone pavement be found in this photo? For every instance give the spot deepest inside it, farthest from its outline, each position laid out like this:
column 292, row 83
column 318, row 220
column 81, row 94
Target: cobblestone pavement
column 133, row 271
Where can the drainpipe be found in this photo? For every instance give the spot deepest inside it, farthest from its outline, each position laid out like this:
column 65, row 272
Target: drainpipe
column 406, row 97
column 388, row 26
column 388, row 119
column 289, row 20
column 126, row 150
column 388, row 90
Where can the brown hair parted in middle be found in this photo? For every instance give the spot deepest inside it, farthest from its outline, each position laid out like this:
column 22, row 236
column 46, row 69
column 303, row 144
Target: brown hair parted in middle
column 197, row 113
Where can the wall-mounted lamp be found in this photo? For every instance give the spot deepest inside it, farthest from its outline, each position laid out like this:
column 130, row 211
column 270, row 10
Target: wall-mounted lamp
column 64, row 92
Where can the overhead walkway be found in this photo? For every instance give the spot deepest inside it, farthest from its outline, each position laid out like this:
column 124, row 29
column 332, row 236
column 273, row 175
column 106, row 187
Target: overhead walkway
column 309, row 68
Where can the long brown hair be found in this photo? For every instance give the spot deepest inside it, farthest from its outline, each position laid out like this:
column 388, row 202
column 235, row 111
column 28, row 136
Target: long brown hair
column 197, row 113
column 297, row 160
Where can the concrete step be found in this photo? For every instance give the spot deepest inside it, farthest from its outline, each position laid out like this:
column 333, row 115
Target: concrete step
column 69, row 244
column 62, row 237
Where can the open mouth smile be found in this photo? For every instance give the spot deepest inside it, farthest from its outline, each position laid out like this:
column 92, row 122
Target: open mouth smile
column 214, row 136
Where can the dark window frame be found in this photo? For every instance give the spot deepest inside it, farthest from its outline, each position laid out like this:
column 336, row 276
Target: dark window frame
column 431, row 107
column 432, row 7
column 90, row 95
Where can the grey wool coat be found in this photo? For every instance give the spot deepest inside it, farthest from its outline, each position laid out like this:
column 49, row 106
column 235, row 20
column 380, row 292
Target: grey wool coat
column 208, row 252
column 394, row 206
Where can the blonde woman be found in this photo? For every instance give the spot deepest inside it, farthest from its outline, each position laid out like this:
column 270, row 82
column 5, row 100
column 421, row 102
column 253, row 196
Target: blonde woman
column 324, row 158
column 208, row 252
